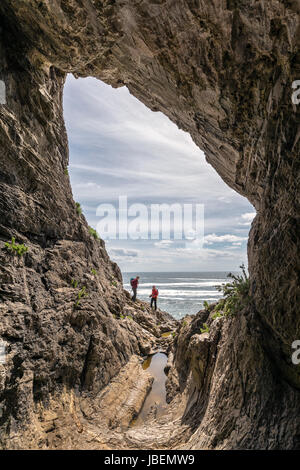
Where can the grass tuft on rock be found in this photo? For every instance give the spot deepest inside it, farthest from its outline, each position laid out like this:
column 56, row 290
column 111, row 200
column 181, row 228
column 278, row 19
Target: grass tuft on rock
column 78, row 208
column 94, row 233
column 205, row 328
column 236, row 294
column 16, row 248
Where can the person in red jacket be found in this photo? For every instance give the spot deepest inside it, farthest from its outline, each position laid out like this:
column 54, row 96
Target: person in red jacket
column 154, row 295
column 134, row 284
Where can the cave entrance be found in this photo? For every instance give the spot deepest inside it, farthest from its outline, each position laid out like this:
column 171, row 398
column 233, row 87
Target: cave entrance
column 121, row 149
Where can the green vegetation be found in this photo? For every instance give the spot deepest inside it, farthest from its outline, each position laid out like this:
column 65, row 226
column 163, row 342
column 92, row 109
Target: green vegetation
column 66, row 171
column 124, row 317
column 217, row 315
column 205, row 305
column 236, row 294
column 14, row 247
column 74, row 283
column 94, row 233
column 78, row 208
column 114, row 283
column 205, row 328
column 93, row 271
column 81, row 293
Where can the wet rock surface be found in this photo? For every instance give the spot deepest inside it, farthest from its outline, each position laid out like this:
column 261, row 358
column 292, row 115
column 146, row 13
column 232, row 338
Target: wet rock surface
column 223, row 72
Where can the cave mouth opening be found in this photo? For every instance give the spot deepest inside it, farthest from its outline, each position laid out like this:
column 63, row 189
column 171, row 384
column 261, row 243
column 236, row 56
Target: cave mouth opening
column 119, row 148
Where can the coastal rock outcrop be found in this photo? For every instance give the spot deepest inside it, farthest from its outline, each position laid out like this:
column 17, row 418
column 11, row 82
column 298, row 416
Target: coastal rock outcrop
column 222, row 71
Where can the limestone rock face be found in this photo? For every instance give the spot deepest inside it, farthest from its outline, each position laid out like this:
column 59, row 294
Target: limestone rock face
column 235, row 395
column 221, row 70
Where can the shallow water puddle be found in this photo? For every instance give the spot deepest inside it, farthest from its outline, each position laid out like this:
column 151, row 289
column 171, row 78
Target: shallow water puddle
column 165, row 335
column 157, row 396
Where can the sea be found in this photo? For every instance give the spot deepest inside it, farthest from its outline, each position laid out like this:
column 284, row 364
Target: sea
column 180, row 293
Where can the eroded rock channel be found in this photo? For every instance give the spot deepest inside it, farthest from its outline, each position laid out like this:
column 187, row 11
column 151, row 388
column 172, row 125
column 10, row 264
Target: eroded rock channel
column 155, row 403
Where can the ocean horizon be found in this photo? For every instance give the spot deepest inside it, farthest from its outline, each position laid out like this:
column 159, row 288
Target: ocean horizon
column 180, row 293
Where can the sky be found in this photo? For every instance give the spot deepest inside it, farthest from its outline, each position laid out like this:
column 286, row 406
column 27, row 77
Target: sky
column 120, row 148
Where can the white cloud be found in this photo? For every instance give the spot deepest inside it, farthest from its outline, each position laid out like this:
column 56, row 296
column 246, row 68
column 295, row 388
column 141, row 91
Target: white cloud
column 163, row 243
column 205, row 253
column 213, row 238
column 247, row 218
column 123, row 252
column 119, row 147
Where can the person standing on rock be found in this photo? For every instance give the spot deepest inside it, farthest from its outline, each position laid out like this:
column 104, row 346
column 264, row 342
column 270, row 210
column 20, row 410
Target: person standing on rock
column 154, row 295
column 134, row 285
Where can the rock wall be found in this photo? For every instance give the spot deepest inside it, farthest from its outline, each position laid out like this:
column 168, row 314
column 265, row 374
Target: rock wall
column 236, row 397
column 51, row 342
column 221, row 70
